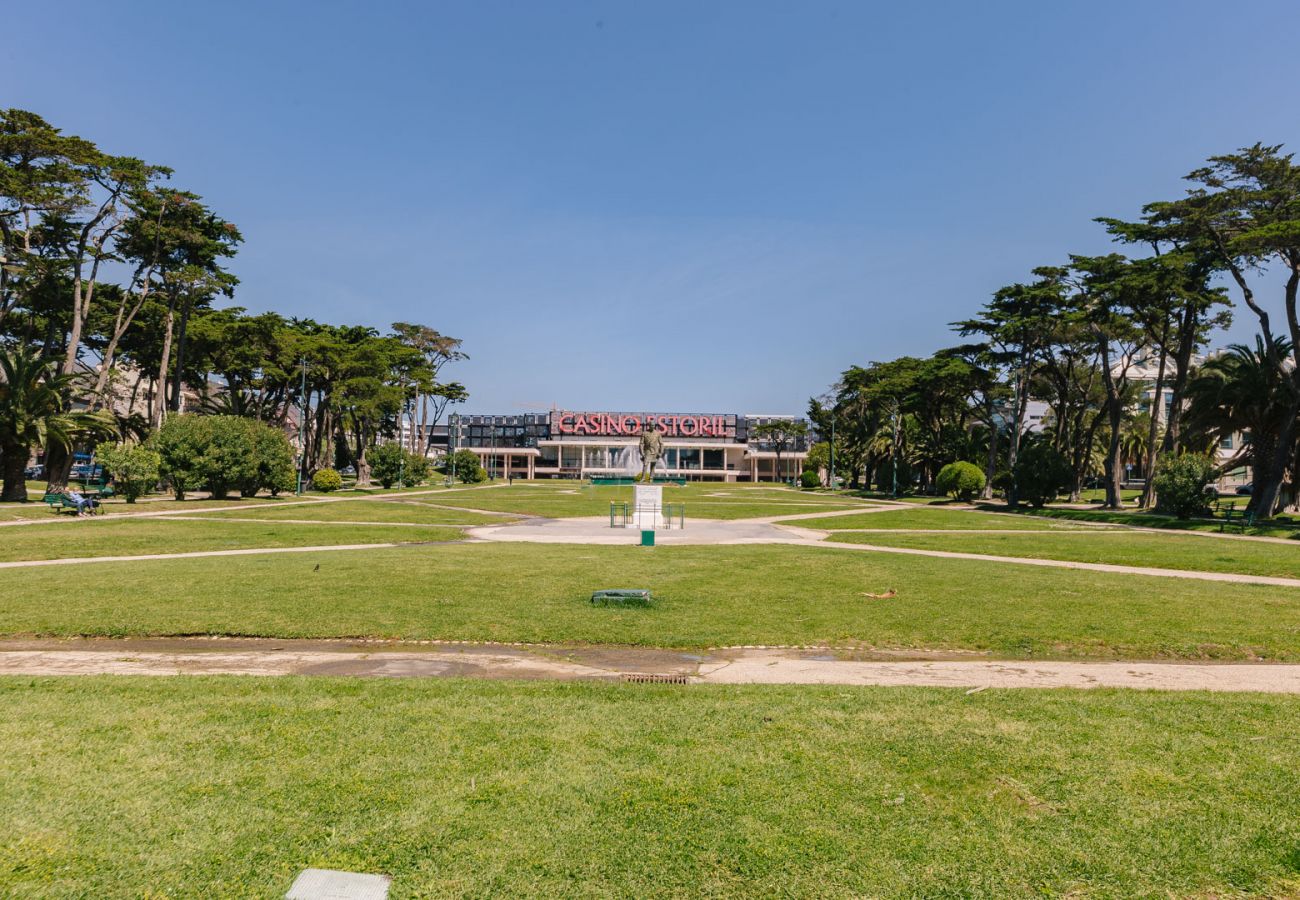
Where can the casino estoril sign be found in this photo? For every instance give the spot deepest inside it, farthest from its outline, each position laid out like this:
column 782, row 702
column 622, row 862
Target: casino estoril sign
column 632, row 424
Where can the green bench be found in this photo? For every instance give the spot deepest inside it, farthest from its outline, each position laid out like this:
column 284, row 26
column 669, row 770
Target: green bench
column 1231, row 515
column 59, row 502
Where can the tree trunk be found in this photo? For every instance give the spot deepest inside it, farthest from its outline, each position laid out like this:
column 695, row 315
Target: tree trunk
column 1149, row 462
column 58, row 467
column 160, row 397
column 15, row 482
column 1114, row 471
column 180, row 359
column 1017, row 425
column 991, row 462
column 362, row 466
column 1265, row 496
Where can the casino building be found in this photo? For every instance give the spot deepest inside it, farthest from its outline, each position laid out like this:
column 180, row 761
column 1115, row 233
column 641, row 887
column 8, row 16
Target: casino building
column 567, row 444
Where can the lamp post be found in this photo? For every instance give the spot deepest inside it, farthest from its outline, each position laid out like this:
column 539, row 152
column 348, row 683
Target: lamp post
column 832, row 452
column 893, row 452
column 302, row 421
column 401, row 461
column 453, row 425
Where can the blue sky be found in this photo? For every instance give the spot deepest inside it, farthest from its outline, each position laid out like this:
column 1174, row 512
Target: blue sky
column 660, row 205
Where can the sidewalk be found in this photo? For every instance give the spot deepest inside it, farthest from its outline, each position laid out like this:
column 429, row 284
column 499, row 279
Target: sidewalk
column 267, row 657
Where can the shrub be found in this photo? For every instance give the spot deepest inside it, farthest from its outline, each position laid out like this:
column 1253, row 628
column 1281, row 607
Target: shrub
column 1180, row 484
column 464, row 466
column 962, row 480
column 327, row 480
column 135, row 469
column 418, row 468
column 223, row 453
column 386, row 463
column 274, row 467
column 1040, row 474
column 810, row 480
column 181, row 444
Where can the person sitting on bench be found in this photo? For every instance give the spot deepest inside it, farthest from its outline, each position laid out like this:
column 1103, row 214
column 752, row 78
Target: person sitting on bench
column 85, row 505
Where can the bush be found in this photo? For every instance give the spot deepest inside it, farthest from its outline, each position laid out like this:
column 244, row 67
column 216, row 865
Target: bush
column 327, row 480
column 1180, row 484
column 386, row 463
column 810, row 480
column 962, row 480
column 1040, row 474
column 223, row 453
column 464, row 466
column 418, row 468
column 274, row 466
column 135, row 469
column 181, row 444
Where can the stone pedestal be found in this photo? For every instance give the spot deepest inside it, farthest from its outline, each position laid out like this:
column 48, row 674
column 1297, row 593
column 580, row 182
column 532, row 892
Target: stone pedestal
column 647, row 506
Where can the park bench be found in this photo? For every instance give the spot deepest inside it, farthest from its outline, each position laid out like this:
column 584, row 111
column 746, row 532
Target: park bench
column 59, row 502
column 1231, row 515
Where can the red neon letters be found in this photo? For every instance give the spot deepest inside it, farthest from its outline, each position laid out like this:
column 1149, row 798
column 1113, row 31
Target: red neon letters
column 624, row 425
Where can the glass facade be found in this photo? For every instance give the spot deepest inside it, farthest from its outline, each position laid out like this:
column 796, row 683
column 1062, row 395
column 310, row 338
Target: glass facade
column 720, row 450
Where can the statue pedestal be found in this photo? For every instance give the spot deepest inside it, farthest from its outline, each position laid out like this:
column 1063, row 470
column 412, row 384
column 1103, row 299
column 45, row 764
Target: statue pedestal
column 647, row 506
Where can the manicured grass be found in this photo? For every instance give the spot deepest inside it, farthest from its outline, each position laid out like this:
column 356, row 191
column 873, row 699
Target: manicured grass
column 34, row 509
column 705, row 501
column 935, row 517
column 1098, row 495
column 1282, row 526
column 418, row 509
column 705, row 596
column 102, row 536
column 1115, row 546
column 202, row 787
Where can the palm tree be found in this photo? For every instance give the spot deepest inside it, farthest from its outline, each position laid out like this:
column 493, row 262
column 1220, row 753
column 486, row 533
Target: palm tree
column 34, row 412
column 1241, row 392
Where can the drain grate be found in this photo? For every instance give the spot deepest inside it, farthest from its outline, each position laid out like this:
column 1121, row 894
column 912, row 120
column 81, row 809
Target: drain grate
column 648, row 678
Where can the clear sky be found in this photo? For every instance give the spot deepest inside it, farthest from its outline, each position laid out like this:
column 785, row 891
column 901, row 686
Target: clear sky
column 694, row 206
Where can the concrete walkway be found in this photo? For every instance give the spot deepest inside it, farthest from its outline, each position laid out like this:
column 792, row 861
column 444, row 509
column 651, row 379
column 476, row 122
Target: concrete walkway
column 250, row 551
column 1233, row 577
column 259, row 505
column 267, row 657
column 596, row 530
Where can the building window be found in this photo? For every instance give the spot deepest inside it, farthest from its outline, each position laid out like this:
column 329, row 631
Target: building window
column 1226, row 443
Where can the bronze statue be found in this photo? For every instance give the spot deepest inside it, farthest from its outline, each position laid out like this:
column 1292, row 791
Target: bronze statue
column 652, row 450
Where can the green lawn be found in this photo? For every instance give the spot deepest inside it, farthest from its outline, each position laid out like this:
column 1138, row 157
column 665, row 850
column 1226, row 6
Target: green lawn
column 419, row 509
column 35, row 509
column 203, row 787
column 929, row 517
column 102, row 536
column 1098, row 495
column 705, row 501
column 1281, row 526
column 706, row 596
column 1115, row 546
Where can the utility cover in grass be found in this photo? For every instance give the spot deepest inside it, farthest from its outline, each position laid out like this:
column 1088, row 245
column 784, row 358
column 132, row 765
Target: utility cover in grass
column 621, row 597
column 328, row 884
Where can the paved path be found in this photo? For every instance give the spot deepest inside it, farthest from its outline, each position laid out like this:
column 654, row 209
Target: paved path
column 263, row 504
column 249, row 551
column 1069, row 564
column 266, row 657
column 596, row 530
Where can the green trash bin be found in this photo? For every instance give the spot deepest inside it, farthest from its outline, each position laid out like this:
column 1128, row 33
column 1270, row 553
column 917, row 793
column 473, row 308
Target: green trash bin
column 647, row 538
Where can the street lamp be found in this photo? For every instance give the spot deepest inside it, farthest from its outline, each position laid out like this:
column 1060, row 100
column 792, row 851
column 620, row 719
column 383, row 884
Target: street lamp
column 302, row 421
column 893, row 451
column 832, row 451
column 453, row 426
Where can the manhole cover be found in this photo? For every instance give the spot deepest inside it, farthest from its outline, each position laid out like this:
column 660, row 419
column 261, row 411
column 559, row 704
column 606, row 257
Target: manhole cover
column 646, row 678
column 328, row 884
